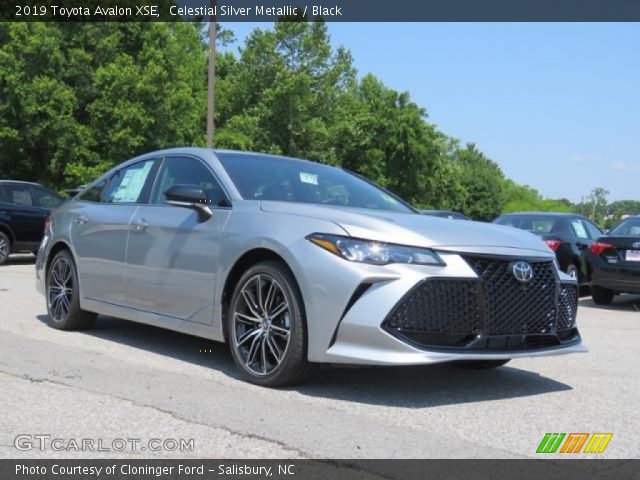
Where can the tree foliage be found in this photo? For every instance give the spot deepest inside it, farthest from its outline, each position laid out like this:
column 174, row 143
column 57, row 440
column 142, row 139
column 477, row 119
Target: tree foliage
column 76, row 98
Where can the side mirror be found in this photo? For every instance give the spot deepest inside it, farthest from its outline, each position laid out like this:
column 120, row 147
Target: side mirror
column 190, row 196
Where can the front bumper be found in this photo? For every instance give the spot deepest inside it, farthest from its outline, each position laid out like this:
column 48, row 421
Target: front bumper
column 363, row 297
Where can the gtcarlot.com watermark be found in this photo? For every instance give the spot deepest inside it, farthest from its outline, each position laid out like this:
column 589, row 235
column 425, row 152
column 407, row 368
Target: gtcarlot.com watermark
column 44, row 442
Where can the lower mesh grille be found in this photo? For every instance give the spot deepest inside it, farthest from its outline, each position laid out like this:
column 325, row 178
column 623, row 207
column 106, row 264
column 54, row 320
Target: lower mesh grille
column 492, row 312
column 567, row 306
column 452, row 307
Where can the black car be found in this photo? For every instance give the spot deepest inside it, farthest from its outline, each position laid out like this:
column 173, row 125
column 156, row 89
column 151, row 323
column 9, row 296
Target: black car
column 567, row 234
column 615, row 259
column 445, row 214
column 24, row 206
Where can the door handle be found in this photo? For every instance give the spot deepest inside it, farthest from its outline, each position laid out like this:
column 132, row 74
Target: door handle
column 81, row 220
column 140, row 225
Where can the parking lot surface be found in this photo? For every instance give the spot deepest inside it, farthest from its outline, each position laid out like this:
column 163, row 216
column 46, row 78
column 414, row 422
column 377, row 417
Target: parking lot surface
column 123, row 380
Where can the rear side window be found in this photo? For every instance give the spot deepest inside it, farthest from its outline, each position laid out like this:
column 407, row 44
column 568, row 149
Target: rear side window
column 628, row 228
column 127, row 185
column 594, row 231
column 19, row 195
column 578, row 228
column 46, row 198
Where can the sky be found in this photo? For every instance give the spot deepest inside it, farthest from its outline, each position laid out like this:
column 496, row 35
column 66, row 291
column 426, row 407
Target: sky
column 556, row 105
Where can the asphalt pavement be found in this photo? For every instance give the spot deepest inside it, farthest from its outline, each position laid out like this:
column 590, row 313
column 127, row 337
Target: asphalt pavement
column 127, row 382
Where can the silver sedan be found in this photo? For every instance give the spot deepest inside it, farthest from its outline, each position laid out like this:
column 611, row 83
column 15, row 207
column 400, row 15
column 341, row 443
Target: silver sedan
column 295, row 264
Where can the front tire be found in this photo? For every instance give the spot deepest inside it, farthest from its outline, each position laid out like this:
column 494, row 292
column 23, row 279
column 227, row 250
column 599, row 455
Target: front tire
column 574, row 272
column 5, row 248
column 63, row 295
column 266, row 327
column 480, row 364
column 601, row 296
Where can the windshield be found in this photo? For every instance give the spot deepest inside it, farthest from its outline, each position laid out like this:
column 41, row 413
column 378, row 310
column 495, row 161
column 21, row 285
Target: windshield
column 264, row 177
column 628, row 228
column 534, row 224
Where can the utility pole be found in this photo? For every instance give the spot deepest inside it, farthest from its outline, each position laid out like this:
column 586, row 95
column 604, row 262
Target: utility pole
column 211, row 80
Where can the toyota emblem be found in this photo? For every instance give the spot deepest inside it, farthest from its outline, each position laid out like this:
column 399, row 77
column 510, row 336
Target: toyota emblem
column 522, row 271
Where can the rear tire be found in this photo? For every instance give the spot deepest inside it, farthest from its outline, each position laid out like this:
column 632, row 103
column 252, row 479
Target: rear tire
column 5, row 248
column 266, row 327
column 63, row 295
column 601, row 296
column 480, row 364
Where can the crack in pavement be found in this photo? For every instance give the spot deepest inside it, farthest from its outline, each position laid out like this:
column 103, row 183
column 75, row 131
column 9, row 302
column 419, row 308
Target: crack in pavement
column 172, row 414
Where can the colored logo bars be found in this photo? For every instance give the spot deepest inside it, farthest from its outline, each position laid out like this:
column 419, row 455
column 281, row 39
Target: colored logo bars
column 573, row 443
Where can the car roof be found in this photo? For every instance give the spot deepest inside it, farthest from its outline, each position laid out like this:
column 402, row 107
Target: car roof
column 21, row 182
column 546, row 214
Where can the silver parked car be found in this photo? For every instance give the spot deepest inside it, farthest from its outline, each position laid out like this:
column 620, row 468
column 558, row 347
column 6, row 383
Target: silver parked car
column 295, row 263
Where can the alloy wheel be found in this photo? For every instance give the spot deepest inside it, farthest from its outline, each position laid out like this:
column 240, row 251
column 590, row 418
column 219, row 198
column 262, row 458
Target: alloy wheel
column 4, row 249
column 262, row 324
column 60, row 289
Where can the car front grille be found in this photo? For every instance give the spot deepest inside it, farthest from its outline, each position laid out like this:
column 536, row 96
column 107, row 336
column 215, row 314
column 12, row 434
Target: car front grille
column 453, row 307
column 513, row 307
column 567, row 306
column 492, row 312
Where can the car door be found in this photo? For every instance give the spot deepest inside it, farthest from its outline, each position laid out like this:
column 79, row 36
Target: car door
column 100, row 226
column 27, row 218
column 172, row 257
column 581, row 243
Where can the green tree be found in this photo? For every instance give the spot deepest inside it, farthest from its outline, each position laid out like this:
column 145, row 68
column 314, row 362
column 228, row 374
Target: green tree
column 75, row 98
column 483, row 182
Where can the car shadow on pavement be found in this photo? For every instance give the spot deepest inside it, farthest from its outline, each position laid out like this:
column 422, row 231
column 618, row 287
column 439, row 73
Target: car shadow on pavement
column 427, row 386
column 187, row 348
column 621, row 303
column 408, row 387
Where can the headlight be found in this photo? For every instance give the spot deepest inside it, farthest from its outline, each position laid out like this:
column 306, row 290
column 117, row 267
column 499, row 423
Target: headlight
column 376, row 253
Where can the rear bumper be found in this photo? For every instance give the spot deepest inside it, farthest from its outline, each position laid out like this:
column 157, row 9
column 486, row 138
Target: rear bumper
column 621, row 278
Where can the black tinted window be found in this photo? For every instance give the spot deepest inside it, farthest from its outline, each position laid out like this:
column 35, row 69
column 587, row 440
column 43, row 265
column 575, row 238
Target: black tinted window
column 19, row 195
column 187, row 171
column 260, row 177
column 46, row 198
column 534, row 224
column 628, row 228
column 594, row 231
column 94, row 193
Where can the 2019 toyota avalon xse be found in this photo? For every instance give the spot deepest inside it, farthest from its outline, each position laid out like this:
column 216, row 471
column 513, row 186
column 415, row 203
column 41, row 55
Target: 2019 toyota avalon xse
column 295, row 263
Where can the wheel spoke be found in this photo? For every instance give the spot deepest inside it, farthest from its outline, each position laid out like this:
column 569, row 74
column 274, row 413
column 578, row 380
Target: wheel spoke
column 280, row 331
column 250, row 302
column 247, row 318
column 246, row 336
column 263, row 353
column 275, row 349
column 270, row 294
column 253, row 349
column 259, row 302
column 279, row 310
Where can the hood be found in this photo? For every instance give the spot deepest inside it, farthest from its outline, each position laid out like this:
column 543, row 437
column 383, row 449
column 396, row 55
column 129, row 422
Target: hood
column 419, row 230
